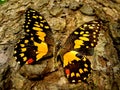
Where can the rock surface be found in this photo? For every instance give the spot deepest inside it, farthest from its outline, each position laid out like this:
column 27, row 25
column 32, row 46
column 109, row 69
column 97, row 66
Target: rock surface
column 63, row 16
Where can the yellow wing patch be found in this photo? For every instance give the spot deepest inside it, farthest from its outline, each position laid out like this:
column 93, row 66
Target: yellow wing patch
column 42, row 50
column 69, row 56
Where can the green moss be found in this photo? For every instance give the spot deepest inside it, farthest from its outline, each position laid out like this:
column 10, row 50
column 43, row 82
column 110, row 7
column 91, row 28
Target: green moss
column 2, row 1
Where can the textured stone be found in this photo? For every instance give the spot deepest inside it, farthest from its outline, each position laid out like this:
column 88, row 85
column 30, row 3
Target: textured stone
column 87, row 9
column 55, row 10
column 64, row 16
column 116, row 1
column 3, row 57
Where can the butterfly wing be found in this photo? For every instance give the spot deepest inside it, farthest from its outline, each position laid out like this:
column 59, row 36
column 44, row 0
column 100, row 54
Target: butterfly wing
column 84, row 37
column 76, row 66
column 38, row 41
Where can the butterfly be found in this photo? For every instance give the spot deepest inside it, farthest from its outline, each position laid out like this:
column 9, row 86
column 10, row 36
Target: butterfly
column 38, row 42
column 77, row 67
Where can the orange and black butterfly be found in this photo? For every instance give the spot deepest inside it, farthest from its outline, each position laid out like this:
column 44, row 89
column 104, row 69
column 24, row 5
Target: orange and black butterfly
column 38, row 42
column 77, row 67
